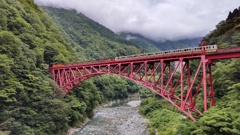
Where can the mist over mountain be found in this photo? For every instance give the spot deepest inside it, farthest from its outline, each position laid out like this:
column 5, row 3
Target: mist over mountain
column 154, row 19
column 151, row 45
column 33, row 37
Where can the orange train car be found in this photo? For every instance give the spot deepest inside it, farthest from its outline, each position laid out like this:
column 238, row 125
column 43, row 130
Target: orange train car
column 57, row 65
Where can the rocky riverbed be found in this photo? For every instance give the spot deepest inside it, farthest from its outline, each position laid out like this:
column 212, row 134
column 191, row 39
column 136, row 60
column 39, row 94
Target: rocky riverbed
column 123, row 120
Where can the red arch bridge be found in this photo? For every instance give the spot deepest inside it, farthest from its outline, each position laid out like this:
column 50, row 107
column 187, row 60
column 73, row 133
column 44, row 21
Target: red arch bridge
column 169, row 75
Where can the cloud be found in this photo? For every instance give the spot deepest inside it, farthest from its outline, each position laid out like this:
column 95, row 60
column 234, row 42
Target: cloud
column 155, row 19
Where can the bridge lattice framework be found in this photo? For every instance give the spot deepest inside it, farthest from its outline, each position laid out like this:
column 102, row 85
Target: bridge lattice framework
column 170, row 76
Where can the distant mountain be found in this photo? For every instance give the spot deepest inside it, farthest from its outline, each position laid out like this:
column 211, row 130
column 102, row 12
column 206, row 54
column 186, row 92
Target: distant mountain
column 144, row 43
column 150, row 45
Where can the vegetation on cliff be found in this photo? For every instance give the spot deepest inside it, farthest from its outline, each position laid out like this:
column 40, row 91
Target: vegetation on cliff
column 31, row 38
column 90, row 40
column 29, row 42
column 223, row 118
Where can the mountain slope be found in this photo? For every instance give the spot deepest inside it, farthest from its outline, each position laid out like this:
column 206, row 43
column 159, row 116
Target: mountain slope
column 227, row 32
column 221, row 119
column 224, row 117
column 29, row 43
column 150, row 45
column 90, row 39
column 145, row 44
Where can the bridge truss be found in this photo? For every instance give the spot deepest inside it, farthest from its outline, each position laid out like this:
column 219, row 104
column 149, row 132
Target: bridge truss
column 173, row 77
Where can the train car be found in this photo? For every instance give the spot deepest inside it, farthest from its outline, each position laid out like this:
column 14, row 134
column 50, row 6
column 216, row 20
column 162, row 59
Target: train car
column 208, row 48
column 57, row 65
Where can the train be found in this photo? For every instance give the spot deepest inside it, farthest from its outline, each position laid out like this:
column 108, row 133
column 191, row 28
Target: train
column 207, row 48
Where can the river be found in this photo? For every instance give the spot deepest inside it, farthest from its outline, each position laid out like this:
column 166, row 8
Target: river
column 122, row 120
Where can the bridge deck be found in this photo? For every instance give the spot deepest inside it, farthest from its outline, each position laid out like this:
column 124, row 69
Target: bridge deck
column 178, row 84
column 219, row 54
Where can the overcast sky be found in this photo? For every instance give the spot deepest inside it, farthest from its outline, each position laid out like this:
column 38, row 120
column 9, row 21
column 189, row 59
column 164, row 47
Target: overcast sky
column 155, row 19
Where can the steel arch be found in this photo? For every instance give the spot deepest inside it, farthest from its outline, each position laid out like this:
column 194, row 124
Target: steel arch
column 172, row 79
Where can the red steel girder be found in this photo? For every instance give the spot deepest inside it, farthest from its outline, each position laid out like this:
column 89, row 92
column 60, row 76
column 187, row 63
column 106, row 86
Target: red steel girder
column 171, row 78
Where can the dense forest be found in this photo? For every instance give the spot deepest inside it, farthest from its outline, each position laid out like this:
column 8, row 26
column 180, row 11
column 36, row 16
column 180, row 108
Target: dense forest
column 89, row 39
column 32, row 39
column 222, row 119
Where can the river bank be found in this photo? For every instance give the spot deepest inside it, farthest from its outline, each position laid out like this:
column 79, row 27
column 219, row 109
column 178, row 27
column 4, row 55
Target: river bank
column 123, row 120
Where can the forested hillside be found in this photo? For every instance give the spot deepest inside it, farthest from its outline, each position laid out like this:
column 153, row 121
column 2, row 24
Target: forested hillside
column 227, row 32
column 150, row 45
column 91, row 40
column 31, row 38
column 29, row 42
column 222, row 119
